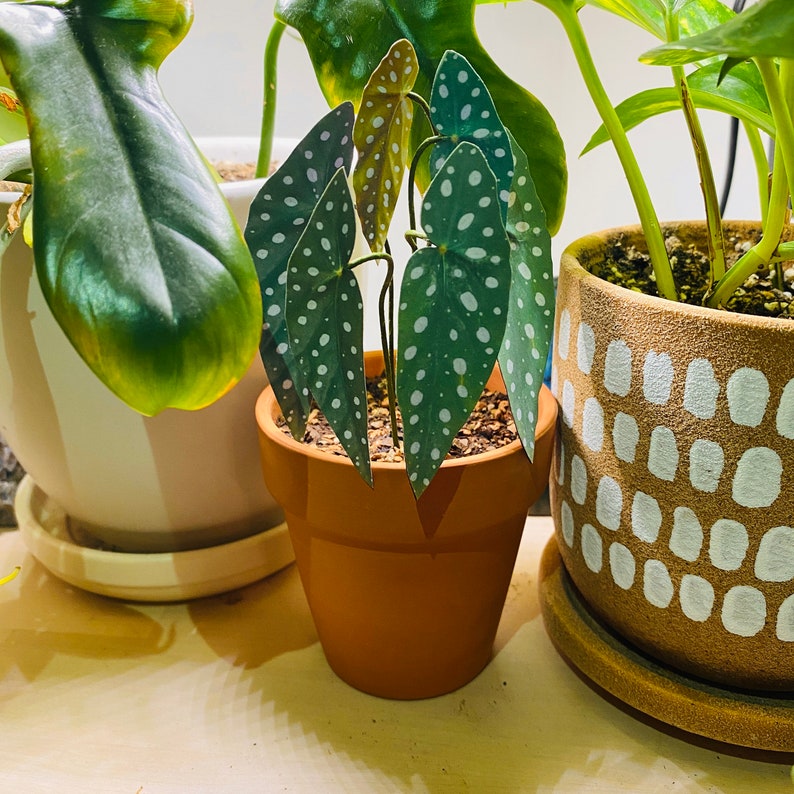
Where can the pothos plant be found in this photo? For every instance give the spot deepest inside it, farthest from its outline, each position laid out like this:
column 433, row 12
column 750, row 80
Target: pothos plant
column 744, row 66
column 137, row 253
column 476, row 288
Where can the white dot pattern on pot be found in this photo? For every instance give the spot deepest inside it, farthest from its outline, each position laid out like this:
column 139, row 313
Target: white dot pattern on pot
column 753, row 480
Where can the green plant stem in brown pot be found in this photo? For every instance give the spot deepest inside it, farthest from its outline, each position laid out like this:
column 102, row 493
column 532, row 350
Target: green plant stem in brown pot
column 476, row 291
column 671, row 485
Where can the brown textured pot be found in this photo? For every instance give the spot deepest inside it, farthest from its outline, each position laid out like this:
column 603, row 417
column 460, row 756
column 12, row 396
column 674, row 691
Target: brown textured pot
column 673, row 479
column 406, row 596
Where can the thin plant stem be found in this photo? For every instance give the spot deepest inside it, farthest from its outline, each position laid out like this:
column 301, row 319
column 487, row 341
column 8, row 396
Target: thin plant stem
column 386, row 338
column 761, row 161
column 269, row 98
column 425, row 144
column 650, row 223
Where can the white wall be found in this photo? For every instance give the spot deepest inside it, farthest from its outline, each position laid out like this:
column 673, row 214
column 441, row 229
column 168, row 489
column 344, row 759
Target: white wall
column 214, row 81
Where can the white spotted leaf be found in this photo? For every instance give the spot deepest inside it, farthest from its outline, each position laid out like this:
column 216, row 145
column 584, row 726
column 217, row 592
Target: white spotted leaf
column 277, row 218
column 462, row 110
column 382, row 138
column 525, row 347
column 452, row 314
column 325, row 319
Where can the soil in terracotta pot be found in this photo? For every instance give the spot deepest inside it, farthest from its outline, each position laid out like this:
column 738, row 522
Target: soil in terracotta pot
column 767, row 293
column 490, row 426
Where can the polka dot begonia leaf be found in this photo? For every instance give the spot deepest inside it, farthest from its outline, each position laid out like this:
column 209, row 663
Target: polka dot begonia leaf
column 381, row 136
column 325, row 319
column 462, row 110
column 530, row 315
column 453, row 311
column 277, row 218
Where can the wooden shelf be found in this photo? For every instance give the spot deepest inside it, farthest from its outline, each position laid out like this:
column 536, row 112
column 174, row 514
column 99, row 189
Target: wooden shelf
column 232, row 694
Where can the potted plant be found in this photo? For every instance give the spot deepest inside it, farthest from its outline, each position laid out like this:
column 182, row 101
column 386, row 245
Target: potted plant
column 405, row 563
column 143, row 279
column 670, row 484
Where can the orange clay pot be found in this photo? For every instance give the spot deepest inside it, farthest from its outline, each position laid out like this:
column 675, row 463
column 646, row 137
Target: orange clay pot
column 406, row 596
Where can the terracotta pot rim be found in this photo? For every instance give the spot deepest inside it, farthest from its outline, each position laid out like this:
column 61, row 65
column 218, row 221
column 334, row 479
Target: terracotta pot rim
column 570, row 262
column 267, row 407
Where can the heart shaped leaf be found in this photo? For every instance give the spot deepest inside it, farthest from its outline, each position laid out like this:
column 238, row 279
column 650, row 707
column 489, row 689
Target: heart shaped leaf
column 530, row 316
column 451, row 318
column 462, row 110
column 277, row 218
column 325, row 319
column 347, row 39
column 381, row 136
column 137, row 253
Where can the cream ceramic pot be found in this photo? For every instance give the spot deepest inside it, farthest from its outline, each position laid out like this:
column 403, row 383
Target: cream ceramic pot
column 179, row 480
column 673, row 482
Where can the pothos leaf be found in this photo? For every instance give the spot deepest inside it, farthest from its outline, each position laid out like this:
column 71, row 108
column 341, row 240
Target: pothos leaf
column 346, row 40
column 764, row 30
column 137, row 253
column 530, row 315
column 451, row 318
column 462, row 110
column 381, row 136
column 325, row 319
column 276, row 220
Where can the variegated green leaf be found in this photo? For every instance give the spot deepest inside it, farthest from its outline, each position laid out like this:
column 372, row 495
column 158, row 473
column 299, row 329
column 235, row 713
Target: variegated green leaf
column 530, row 316
column 276, row 220
column 765, row 29
column 137, row 253
column 462, row 110
column 451, row 316
column 381, row 135
column 325, row 319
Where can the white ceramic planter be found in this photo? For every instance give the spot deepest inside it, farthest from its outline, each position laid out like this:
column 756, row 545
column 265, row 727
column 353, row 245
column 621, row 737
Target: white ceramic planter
column 180, row 480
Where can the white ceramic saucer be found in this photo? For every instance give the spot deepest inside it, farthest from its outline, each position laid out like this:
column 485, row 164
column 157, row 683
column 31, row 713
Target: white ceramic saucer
column 162, row 576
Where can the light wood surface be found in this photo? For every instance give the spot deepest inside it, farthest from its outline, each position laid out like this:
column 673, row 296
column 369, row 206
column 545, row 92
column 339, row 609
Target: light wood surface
column 231, row 694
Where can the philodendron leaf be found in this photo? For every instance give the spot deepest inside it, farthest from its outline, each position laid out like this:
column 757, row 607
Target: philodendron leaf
column 452, row 312
column 276, row 220
column 347, row 39
column 462, row 110
column 137, row 252
column 381, row 135
column 764, row 30
column 325, row 319
column 732, row 97
column 525, row 348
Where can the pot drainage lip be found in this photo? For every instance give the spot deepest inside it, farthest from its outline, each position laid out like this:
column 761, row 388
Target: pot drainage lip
column 152, row 577
column 758, row 721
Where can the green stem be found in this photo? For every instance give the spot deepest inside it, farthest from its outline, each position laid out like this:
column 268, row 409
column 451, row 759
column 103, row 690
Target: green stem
column 639, row 190
column 418, row 99
column 420, row 150
column 269, row 98
column 780, row 91
column 758, row 152
column 758, row 257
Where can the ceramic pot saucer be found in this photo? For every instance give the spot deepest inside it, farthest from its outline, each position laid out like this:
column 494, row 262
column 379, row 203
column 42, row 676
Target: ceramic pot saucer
column 156, row 577
column 760, row 721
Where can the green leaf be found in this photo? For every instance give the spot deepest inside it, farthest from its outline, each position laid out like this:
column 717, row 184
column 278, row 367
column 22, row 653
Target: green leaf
column 451, row 316
column 462, row 110
column 325, row 319
column 530, row 315
column 277, row 218
column 346, row 40
column 764, row 30
column 693, row 17
column 137, row 252
column 381, row 135
column 655, row 101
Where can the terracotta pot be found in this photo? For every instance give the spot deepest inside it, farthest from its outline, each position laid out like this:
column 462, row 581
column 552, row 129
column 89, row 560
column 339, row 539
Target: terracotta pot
column 406, row 596
column 673, row 481
column 180, row 480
